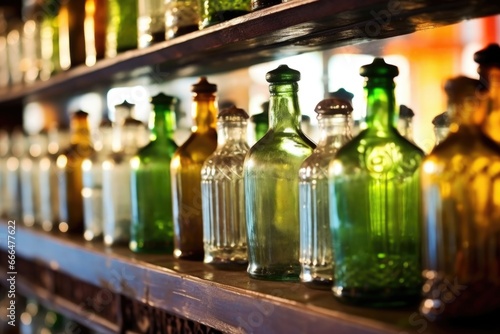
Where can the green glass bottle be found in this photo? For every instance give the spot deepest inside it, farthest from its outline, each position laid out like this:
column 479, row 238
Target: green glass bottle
column 121, row 29
column 261, row 121
column 375, row 204
column 186, row 173
column 217, row 11
column 272, row 185
column 152, row 227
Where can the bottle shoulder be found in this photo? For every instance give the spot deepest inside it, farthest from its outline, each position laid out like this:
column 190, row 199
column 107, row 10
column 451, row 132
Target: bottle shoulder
column 161, row 150
column 197, row 148
column 283, row 143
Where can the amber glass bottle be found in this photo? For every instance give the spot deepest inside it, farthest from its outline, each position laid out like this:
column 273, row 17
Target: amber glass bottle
column 462, row 211
column 186, row 166
column 272, row 185
column 69, row 166
column 71, row 19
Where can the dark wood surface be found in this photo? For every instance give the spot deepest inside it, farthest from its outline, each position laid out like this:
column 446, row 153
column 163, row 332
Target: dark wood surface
column 229, row 301
column 282, row 30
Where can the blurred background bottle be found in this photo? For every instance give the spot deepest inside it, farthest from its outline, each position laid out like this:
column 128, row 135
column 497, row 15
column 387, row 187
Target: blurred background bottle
column 150, row 22
column 259, row 4
column 71, row 20
column 441, row 127
column 95, row 30
column 181, row 17
column 121, row 27
column 217, row 11
column 49, row 43
column 405, row 122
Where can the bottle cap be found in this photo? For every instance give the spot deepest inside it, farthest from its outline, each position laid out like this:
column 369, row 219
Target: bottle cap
column 203, row 86
column 283, row 74
column 489, row 56
column 461, row 87
column 333, row 107
column 124, row 104
column 232, row 114
column 342, row 94
column 380, row 69
column 442, row 120
column 405, row 112
column 163, row 99
column 80, row 114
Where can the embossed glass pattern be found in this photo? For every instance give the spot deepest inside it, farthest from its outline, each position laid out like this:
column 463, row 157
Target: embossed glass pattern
column 375, row 210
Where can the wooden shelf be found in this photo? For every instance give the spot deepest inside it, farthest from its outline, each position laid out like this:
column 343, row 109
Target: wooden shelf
column 282, row 30
column 229, row 301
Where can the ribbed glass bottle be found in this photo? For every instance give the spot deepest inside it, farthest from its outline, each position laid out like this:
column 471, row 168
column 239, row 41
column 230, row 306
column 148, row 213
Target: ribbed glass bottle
column 69, row 165
column 186, row 172
column 223, row 193
column 375, row 204
column 272, row 186
column 461, row 243
column 316, row 257
column 151, row 193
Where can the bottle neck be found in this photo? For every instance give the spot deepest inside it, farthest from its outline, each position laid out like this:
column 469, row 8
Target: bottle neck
column 284, row 110
column 204, row 111
column 465, row 112
column 380, row 105
column 232, row 132
column 162, row 124
column 80, row 133
column 334, row 130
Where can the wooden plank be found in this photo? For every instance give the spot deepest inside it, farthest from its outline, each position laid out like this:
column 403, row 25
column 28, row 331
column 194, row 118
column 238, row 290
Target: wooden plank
column 282, row 30
column 229, row 301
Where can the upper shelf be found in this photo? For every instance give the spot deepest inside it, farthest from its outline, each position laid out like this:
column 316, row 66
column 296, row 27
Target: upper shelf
column 229, row 301
column 282, row 30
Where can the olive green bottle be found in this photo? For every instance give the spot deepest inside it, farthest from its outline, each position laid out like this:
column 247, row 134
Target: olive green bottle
column 186, row 166
column 375, row 204
column 271, row 184
column 152, row 227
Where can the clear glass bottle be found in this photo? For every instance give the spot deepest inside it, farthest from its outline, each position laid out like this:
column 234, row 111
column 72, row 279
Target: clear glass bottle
column 441, row 127
column 121, row 28
column 405, row 122
column 92, row 182
column 260, row 4
column 181, row 17
column 49, row 35
column 13, row 178
column 30, row 177
column 375, row 210
column 49, row 182
column 461, row 252
column 14, row 52
column 150, row 22
column 489, row 68
column 31, row 41
column 272, row 186
column 217, row 11
column 71, row 18
column 151, row 193
column 316, row 257
column 116, row 192
column 69, row 164
column 186, row 172
column 223, row 193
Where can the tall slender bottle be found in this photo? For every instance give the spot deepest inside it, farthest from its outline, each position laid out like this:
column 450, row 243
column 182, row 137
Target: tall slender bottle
column 116, row 192
column 92, row 182
column 315, row 238
column 186, row 172
column 71, row 44
column 69, row 165
column 223, row 193
column 13, row 183
column 461, row 248
column 4, row 155
column 121, row 27
column 375, row 210
column 151, row 195
column 49, row 44
column 271, row 184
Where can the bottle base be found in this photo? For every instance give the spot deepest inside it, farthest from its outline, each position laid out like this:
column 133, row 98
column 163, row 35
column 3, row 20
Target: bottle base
column 320, row 279
column 275, row 273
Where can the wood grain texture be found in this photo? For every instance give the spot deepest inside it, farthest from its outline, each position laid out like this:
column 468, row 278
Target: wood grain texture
column 228, row 301
column 286, row 29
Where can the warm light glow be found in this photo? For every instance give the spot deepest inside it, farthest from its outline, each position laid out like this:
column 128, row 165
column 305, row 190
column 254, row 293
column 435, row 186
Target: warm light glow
column 135, row 162
column 47, row 226
column 63, row 227
column 336, row 168
column 89, row 33
column 62, row 161
column 88, row 235
column 64, row 46
column 86, row 165
column 86, row 192
column 429, row 167
column 107, row 165
column 12, row 164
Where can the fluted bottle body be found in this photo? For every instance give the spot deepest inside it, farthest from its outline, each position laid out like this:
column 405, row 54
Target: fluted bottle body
column 223, row 195
column 316, row 256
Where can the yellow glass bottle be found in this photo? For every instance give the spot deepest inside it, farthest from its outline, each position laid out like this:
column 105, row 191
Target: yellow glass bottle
column 460, row 186
column 69, row 165
column 185, row 171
